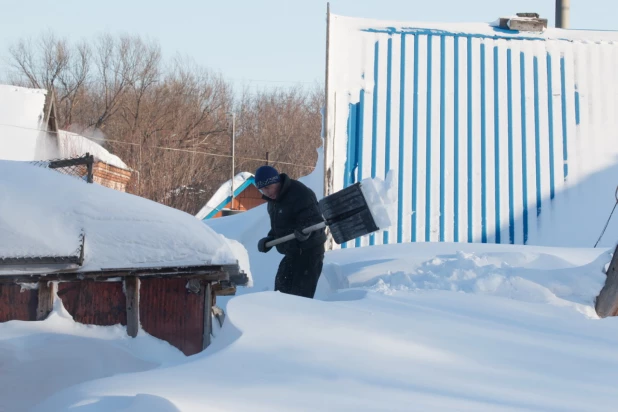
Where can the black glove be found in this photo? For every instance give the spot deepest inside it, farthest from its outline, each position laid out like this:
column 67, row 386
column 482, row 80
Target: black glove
column 300, row 236
column 262, row 244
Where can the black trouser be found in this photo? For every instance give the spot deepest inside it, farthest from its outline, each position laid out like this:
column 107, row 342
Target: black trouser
column 298, row 274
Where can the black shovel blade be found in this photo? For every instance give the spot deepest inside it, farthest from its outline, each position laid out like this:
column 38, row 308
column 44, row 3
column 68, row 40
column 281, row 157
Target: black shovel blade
column 347, row 214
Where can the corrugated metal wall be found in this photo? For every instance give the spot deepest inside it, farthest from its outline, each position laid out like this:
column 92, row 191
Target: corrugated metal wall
column 479, row 130
column 94, row 303
column 17, row 304
column 170, row 312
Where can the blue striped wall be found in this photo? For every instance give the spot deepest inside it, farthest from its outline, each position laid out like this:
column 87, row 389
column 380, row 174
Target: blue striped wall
column 478, row 131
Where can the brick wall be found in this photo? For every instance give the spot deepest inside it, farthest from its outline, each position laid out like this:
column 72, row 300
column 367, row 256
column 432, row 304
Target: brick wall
column 111, row 176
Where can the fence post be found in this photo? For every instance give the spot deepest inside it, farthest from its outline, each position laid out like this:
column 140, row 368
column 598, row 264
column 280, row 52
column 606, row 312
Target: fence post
column 207, row 315
column 131, row 286
column 89, row 162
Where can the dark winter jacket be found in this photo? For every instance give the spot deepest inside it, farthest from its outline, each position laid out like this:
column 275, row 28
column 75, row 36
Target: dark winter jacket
column 296, row 207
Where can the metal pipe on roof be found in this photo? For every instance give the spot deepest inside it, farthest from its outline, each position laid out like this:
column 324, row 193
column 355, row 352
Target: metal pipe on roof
column 563, row 11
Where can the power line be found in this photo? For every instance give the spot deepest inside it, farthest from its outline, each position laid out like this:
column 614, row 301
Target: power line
column 273, row 81
column 233, row 79
column 167, row 148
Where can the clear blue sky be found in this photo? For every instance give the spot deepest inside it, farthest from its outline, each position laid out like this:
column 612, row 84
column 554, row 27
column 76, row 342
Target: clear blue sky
column 264, row 42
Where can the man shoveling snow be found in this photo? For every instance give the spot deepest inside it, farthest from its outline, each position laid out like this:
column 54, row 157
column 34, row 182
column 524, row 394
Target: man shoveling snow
column 298, row 224
column 292, row 206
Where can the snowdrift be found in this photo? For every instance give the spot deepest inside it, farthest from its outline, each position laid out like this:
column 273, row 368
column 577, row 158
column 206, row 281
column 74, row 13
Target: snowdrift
column 489, row 328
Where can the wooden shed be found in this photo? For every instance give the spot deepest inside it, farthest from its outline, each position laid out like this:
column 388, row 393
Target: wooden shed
column 135, row 262
column 171, row 303
column 108, row 170
column 245, row 199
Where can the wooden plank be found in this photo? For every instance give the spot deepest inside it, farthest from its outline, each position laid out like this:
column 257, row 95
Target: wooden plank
column 172, row 310
column 528, row 25
column 606, row 304
column 131, row 286
column 94, row 303
column 223, row 289
column 219, row 315
column 46, row 300
column 17, row 304
column 207, row 315
column 211, row 273
column 84, row 160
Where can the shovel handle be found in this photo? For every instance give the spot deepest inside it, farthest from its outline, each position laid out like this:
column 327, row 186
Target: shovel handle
column 291, row 236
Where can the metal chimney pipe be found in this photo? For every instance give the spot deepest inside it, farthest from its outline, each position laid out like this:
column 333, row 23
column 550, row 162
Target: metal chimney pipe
column 563, row 11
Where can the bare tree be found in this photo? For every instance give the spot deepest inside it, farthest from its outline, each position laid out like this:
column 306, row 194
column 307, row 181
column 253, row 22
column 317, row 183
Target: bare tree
column 170, row 123
column 51, row 63
column 284, row 122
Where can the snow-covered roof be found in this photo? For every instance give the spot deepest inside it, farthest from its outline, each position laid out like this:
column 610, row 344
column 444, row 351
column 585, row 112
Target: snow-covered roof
column 223, row 195
column 22, row 131
column 21, row 121
column 43, row 212
column 73, row 145
column 489, row 29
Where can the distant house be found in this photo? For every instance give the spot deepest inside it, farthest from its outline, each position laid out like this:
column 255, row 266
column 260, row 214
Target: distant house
column 29, row 131
column 26, row 117
column 246, row 197
column 108, row 170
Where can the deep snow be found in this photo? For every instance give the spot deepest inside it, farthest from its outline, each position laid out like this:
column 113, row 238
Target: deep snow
column 433, row 326
column 489, row 327
column 43, row 213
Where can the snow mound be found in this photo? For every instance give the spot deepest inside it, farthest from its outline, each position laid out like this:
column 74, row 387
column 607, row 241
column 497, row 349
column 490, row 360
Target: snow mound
column 30, row 352
column 554, row 276
column 466, row 352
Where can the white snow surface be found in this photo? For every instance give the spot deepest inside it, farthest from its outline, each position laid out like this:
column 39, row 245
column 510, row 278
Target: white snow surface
column 410, row 327
column 486, row 29
column 380, row 196
column 22, row 135
column 222, row 193
column 74, row 145
column 43, row 213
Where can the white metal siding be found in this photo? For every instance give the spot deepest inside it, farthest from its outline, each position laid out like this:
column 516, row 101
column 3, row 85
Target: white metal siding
column 482, row 131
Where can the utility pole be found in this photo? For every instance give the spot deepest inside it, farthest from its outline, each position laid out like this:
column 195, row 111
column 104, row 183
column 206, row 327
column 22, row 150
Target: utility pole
column 233, row 155
column 563, row 10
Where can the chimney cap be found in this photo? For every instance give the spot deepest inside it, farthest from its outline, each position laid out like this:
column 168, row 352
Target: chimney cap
column 523, row 22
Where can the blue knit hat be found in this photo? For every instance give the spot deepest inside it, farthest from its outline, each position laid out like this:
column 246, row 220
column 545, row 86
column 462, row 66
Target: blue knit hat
column 266, row 176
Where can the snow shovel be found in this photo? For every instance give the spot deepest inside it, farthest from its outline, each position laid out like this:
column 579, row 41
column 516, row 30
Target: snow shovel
column 345, row 212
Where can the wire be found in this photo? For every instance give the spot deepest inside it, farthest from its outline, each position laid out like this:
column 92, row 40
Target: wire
column 610, row 217
column 169, row 148
column 236, row 79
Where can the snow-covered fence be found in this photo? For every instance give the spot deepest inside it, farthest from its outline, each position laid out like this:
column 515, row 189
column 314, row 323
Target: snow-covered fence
column 482, row 127
column 80, row 167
